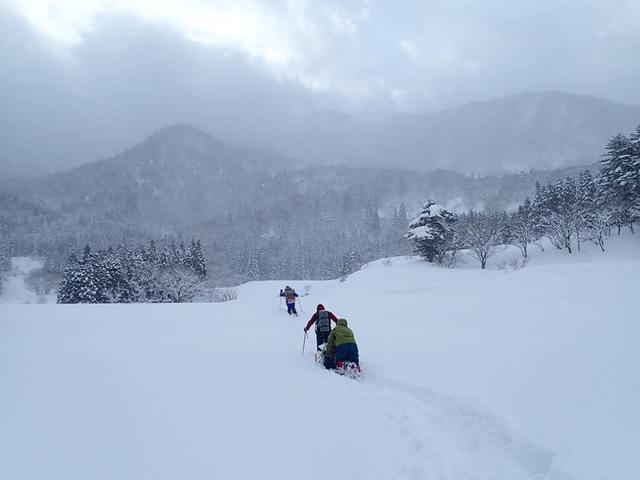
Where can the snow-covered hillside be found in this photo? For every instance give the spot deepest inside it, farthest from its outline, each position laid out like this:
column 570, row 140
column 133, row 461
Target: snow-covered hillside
column 469, row 374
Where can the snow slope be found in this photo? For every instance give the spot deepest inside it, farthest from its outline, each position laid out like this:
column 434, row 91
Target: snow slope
column 470, row 374
column 14, row 288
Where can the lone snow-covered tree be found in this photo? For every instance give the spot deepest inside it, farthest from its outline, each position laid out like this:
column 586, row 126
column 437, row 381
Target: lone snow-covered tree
column 433, row 232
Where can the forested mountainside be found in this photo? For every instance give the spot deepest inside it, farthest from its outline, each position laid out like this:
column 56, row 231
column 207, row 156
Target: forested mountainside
column 247, row 207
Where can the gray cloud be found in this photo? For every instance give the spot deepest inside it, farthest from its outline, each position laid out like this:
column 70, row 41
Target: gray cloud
column 123, row 82
column 126, row 75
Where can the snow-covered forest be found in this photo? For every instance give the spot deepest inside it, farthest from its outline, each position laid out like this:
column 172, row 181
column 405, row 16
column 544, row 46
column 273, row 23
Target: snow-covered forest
column 571, row 211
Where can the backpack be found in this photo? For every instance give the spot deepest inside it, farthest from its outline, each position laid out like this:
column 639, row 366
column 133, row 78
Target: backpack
column 289, row 293
column 324, row 323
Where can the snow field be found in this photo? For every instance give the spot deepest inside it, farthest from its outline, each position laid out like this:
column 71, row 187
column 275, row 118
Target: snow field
column 529, row 374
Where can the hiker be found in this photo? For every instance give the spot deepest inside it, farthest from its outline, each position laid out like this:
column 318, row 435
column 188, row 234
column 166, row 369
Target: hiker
column 341, row 346
column 290, row 295
column 322, row 318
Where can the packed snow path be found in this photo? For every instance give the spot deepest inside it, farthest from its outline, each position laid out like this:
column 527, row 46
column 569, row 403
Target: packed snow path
column 545, row 359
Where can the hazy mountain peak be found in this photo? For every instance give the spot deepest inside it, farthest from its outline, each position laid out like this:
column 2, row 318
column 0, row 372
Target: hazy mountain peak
column 183, row 135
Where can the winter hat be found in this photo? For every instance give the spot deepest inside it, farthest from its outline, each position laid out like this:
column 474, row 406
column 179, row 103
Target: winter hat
column 319, row 307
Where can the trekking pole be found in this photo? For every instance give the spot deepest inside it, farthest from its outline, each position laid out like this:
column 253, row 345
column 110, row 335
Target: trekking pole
column 304, row 341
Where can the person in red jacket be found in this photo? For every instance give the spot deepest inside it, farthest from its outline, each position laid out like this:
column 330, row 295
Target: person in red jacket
column 322, row 318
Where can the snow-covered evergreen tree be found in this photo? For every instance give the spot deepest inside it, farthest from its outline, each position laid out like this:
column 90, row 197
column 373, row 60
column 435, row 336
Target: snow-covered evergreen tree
column 620, row 180
column 433, row 232
column 371, row 219
column 196, row 259
column 586, row 204
column 81, row 281
column 523, row 226
column 351, row 261
column 5, row 260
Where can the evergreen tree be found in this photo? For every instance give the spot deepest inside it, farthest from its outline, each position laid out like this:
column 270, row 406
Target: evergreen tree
column 433, row 232
column 197, row 261
column 402, row 214
column 152, row 252
column 633, row 177
column 5, row 260
column 351, row 261
column 524, row 224
column 371, row 219
column 81, row 282
column 586, row 204
column 619, row 177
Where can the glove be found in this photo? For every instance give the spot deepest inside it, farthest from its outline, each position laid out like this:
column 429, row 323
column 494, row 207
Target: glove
column 305, row 330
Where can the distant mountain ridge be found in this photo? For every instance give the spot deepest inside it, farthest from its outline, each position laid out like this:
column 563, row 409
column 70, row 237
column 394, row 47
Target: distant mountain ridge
column 181, row 181
column 181, row 176
column 177, row 169
column 533, row 130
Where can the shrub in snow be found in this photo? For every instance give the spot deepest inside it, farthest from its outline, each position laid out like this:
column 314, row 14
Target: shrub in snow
column 221, row 295
column 451, row 259
column 513, row 263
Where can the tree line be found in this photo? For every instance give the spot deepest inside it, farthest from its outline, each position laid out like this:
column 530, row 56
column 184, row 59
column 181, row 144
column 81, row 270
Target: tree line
column 173, row 273
column 568, row 212
column 5, row 259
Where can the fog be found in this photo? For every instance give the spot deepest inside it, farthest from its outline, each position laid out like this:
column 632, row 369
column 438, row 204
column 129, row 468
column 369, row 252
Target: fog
column 84, row 80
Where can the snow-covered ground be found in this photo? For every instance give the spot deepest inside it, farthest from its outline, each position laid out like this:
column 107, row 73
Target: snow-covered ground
column 469, row 374
column 14, row 288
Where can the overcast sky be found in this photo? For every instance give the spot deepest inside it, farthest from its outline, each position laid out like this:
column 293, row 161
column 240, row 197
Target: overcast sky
column 88, row 78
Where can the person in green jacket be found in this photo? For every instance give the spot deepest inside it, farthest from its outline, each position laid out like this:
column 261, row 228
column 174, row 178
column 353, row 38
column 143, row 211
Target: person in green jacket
column 341, row 346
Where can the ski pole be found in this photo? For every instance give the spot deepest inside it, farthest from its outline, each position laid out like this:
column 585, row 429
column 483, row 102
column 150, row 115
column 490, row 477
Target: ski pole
column 304, row 341
column 300, row 302
column 280, row 306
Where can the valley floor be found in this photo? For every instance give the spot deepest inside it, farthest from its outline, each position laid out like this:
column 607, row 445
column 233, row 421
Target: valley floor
column 469, row 374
